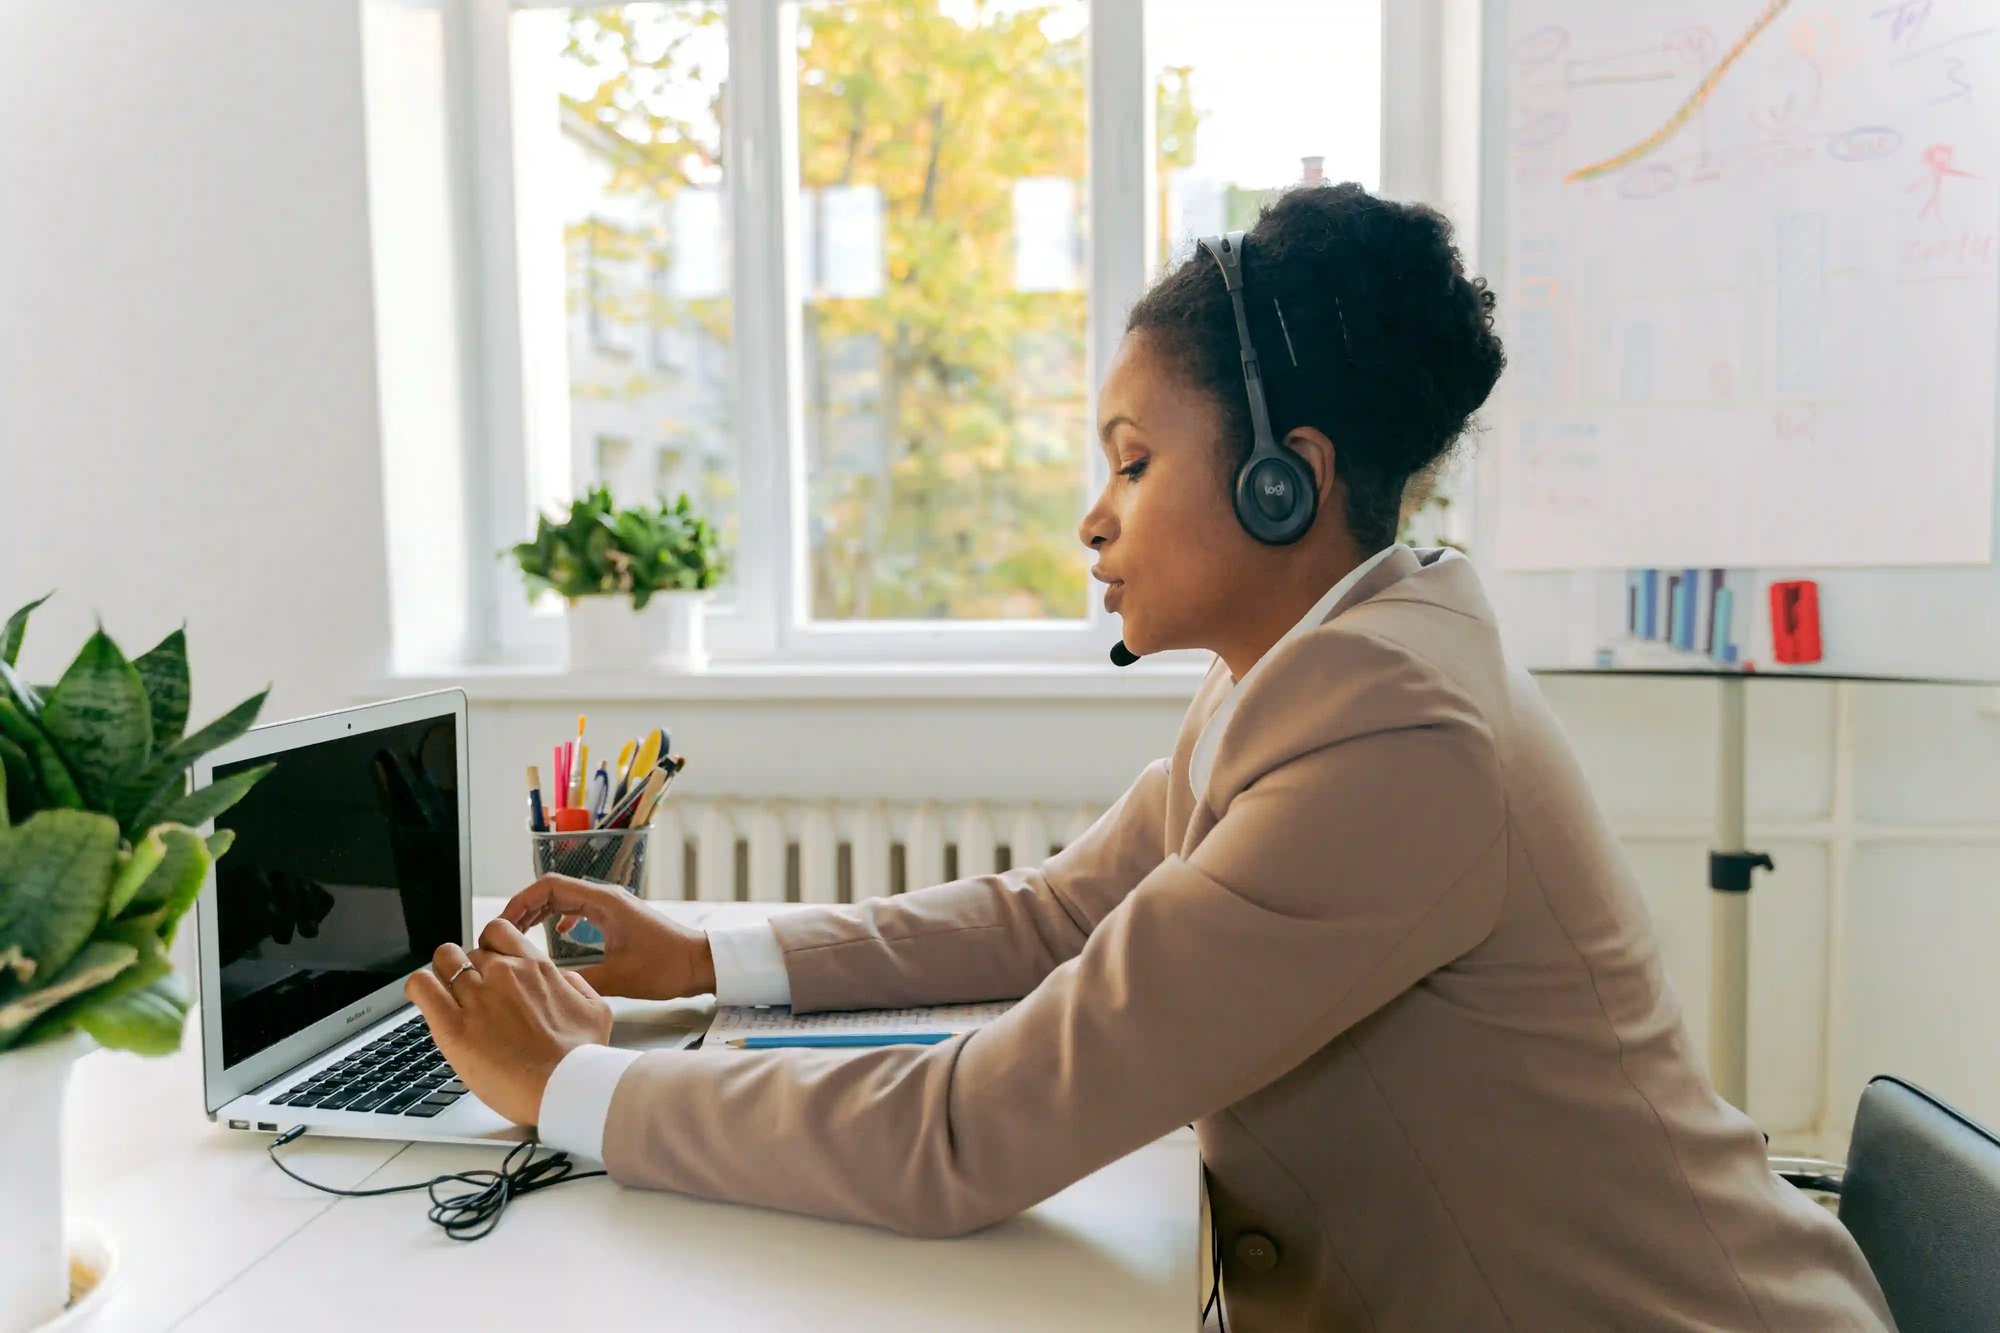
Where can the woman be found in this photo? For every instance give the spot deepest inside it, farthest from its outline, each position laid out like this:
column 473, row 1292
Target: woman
column 1366, row 928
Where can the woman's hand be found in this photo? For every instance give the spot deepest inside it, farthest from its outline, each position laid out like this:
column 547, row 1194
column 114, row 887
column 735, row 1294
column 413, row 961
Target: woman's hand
column 507, row 1017
column 646, row 956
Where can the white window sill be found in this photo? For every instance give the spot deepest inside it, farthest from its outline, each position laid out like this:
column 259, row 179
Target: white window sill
column 973, row 681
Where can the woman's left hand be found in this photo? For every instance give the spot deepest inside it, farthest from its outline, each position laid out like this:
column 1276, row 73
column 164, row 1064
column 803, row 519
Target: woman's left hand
column 508, row 1019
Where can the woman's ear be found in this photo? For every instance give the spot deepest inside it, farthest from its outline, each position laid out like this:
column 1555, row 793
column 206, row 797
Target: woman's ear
column 1317, row 451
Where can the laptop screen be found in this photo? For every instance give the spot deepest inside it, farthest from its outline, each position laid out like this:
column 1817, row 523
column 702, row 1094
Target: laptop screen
column 344, row 877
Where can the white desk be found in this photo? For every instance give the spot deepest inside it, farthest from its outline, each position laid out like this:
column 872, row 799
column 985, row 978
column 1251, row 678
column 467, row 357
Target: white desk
column 211, row 1236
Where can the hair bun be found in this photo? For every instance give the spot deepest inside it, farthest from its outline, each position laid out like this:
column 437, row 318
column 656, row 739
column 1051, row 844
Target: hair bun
column 1367, row 328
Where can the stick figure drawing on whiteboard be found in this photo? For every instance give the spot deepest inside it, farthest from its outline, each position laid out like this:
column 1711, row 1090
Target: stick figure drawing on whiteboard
column 1937, row 165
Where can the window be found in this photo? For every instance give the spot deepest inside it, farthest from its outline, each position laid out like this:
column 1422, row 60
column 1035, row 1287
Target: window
column 1223, row 143
column 844, row 271
column 944, row 145
column 618, row 115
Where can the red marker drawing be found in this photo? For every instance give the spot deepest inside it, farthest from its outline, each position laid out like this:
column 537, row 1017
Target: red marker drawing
column 1937, row 163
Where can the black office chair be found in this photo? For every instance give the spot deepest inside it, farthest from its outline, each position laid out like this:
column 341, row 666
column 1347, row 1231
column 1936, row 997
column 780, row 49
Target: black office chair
column 1920, row 1193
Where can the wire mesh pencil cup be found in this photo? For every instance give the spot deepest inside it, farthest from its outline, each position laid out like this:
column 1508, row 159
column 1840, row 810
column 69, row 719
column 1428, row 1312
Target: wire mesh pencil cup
column 605, row 856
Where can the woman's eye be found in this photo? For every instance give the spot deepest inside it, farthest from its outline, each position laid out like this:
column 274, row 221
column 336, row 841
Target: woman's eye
column 1134, row 470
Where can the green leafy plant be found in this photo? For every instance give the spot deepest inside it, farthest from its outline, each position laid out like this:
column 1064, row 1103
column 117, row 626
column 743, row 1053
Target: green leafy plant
column 600, row 550
column 99, row 859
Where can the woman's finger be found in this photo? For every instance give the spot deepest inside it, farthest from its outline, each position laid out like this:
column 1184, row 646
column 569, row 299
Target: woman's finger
column 437, row 1005
column 501, row 937
column 455, row 970
column 448, row 959
column 551, row 895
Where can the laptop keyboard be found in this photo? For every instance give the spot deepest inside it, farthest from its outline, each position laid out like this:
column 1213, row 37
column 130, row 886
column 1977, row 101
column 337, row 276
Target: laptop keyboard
column 399, row 1073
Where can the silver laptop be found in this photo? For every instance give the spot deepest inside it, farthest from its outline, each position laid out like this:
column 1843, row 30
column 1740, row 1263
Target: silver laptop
column 351, row 865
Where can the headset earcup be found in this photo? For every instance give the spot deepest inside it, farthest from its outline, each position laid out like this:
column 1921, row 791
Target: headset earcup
column 1276, row 496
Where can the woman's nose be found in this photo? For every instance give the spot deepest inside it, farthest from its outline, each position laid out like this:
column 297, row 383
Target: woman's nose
column 1098, row 526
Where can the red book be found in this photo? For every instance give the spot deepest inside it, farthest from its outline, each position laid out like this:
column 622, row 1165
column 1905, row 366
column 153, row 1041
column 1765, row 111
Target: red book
column 1795, row 621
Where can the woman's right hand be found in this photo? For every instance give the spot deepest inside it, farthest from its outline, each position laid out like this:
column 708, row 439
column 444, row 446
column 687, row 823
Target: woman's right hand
column 646, row 955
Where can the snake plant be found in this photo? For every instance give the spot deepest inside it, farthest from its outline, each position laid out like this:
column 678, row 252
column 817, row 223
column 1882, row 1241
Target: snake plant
column 99, row 857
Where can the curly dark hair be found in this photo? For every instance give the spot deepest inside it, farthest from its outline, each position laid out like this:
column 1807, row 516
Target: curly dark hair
column 1395, row 344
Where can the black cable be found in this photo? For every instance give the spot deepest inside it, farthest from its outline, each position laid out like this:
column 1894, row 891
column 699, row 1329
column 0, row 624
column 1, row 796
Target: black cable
column 1215, row 1279
column 474, row 1212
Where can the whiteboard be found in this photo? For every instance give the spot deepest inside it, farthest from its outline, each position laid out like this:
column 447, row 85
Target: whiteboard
column 1752, row 260
column 1748, row 260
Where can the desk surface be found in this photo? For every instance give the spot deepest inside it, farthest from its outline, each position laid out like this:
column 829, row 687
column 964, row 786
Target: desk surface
column 211, row 1236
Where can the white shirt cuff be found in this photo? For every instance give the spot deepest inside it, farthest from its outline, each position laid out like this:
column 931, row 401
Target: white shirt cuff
column 577, row 1100
column 749, row 966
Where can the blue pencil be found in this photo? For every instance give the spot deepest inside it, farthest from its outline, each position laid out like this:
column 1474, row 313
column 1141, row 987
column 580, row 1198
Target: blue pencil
column 844, row 1039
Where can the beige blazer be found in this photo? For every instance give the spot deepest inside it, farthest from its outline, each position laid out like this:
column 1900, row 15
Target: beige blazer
column 1394, row 968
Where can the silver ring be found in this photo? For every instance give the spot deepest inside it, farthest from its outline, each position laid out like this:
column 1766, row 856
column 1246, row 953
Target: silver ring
column 463, row 968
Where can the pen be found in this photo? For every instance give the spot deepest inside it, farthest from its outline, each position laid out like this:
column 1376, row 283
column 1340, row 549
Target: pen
column 536, row 820
column 623, row 814
column 580, row 780
column 621, row 769
column 842, row 1039
column 600, row 793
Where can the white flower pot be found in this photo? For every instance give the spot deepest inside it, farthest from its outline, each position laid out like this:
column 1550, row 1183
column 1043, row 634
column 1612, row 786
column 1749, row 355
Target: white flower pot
column 606, row 634
column 34, row 1263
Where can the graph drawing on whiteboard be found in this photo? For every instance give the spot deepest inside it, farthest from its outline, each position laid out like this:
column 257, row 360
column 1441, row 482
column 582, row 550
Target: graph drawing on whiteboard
column 1749, row 286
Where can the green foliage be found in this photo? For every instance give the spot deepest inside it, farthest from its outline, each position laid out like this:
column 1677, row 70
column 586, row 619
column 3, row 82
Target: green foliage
column 602, row 550
column 97, row 864
column 947, row 427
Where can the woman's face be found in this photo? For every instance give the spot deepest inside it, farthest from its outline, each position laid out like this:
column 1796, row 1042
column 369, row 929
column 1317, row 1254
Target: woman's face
column 1177, row 566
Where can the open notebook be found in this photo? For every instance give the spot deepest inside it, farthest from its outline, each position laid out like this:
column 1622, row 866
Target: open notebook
column 733, row 1021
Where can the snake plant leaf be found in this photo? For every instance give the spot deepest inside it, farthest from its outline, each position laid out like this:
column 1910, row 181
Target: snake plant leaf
column 134, row 868
column 100, row 721
column 25, row 696
column 199, row 807
column 57, row 866
column 57, row 787
column 163, row 898
column 16, row 629
column 96, row 963
column 151, row 964
column 164, row 669
column 147, row 1020
column 163, row 781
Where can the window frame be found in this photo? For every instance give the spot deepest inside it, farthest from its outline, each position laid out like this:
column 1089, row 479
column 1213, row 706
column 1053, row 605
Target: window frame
column 518, row 398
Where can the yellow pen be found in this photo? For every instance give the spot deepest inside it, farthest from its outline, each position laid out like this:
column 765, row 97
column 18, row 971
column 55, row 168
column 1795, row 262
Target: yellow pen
column 621, row 771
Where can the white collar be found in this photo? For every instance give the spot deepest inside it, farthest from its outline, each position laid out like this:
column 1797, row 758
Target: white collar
column 1203, row 758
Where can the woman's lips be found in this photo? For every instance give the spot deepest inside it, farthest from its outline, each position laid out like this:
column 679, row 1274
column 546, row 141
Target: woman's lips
column 1114, row 593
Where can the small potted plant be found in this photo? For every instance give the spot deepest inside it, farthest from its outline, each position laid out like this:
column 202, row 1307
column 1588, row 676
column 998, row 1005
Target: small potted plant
column 99, row 859
column 636, row 580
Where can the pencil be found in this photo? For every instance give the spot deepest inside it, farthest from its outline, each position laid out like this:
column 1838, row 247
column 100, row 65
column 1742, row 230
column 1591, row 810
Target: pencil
column 842, row 1039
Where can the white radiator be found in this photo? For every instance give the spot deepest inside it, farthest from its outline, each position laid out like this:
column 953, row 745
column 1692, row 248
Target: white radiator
column 731, row 850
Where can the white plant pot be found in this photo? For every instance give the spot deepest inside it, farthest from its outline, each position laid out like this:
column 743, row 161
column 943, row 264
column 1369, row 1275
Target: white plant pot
column 606, row 634
column 34, row 1260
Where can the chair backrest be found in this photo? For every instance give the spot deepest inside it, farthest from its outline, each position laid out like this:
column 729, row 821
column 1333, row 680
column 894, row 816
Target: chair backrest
column 1922, row 1198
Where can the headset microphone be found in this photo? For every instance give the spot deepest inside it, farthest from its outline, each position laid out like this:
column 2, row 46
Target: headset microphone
column 1121, row 655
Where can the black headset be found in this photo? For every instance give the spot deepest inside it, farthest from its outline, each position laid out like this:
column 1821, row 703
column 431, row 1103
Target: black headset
column 1276, row 494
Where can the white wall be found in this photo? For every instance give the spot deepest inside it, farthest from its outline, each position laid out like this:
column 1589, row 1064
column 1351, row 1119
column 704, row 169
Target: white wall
column 189, row 427
column 187, row 390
